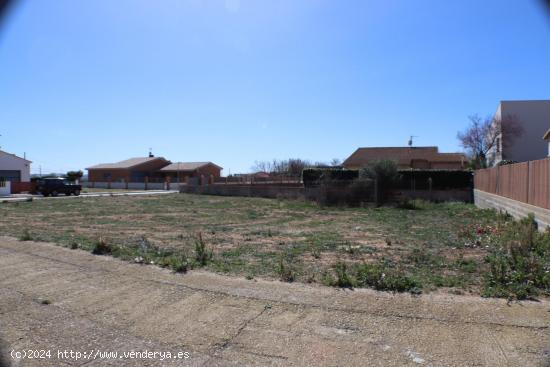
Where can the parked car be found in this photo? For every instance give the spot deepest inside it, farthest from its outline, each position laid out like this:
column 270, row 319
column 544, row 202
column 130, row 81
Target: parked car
column 56, row 186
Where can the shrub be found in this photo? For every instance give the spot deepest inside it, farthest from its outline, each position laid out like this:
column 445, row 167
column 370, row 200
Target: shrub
column 179, row 264
column 101, row 247
column 25, row 236
column 202, row 255
column 343, row 279
column 441, row 179
column 407, row 203
column 385, row 175
column 382, row 277
column 313, row 177
column 519, row 267
column 286, row 274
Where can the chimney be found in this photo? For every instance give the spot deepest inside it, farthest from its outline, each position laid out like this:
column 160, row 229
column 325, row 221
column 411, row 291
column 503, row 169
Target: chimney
column 150, row 153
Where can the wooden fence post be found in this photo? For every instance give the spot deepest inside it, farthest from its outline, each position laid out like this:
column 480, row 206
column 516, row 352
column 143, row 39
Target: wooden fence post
column 527, row 179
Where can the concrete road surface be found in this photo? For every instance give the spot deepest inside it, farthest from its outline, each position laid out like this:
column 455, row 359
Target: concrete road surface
column 25, row 197
column 60, row 300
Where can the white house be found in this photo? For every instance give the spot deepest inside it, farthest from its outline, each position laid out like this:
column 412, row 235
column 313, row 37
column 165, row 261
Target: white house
column 14, row 168
column 534, row 117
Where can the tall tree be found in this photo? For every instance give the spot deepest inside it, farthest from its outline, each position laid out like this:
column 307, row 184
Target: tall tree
column 486, row 135
column 74, row 175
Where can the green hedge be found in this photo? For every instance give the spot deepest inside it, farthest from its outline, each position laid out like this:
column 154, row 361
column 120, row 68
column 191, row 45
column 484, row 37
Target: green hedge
column 419, row 179
column 314, row 176
column 441, row 179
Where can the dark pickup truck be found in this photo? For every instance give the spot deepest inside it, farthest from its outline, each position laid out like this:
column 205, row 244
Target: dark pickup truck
column 56, row 186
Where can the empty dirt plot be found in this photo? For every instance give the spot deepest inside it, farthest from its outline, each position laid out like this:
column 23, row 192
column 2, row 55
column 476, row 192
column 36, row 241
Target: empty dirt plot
column 57, row 299
column 431, row 246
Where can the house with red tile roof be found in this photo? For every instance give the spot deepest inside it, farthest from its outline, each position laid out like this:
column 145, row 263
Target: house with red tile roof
column 407, row 157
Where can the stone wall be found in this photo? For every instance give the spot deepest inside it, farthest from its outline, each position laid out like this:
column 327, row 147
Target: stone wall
column 515, row 208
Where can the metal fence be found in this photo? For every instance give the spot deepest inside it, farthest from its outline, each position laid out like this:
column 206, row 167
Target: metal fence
column 528, row 182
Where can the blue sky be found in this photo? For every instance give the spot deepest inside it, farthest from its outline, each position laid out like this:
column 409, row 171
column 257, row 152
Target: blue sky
column 86, row 82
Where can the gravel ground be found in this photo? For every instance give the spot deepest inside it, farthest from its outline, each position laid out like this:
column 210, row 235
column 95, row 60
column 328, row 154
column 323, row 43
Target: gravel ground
column 57, row 299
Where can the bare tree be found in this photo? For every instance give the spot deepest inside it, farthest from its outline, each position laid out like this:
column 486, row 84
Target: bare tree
column 488, row 135
column 261, row 166
column 335, row 162
column 288, row 167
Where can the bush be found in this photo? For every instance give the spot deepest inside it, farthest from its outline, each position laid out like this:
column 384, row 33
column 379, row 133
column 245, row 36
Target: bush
column 407, row 203
column 343, row 279
column 440, row 179
column 286, row 274
column 519, row 267
column 313, row 177
column 202, row 255
column 385, row 175
column 101, row 247
column 179, row 264
column 25, row 236
column 382, row 277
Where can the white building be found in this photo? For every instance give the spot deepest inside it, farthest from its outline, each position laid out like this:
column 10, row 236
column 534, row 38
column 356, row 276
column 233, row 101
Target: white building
column 14, row 168
column 534, row 117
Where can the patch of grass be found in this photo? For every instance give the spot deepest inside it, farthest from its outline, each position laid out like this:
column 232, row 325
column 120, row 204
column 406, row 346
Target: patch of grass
column 343, row 279
column 384, row 278
column 428, row 245
column 285, row 270
column 178, row 263
column 26, row 236
column 520, row 267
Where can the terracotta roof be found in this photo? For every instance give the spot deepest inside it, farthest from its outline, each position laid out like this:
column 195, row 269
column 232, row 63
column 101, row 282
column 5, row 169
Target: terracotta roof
column 547, row 135
column 449, row 157
column 401, row 155
column 126, row 164
column 186, row 166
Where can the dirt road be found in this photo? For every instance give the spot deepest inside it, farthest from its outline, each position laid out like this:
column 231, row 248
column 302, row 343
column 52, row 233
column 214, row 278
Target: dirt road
column 56, row 299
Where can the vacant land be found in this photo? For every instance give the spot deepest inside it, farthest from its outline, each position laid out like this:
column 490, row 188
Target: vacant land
column 434, row 245
column 54, row 298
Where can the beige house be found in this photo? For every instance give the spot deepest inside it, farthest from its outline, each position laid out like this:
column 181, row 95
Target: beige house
column 407, row 157
column 534, row 117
